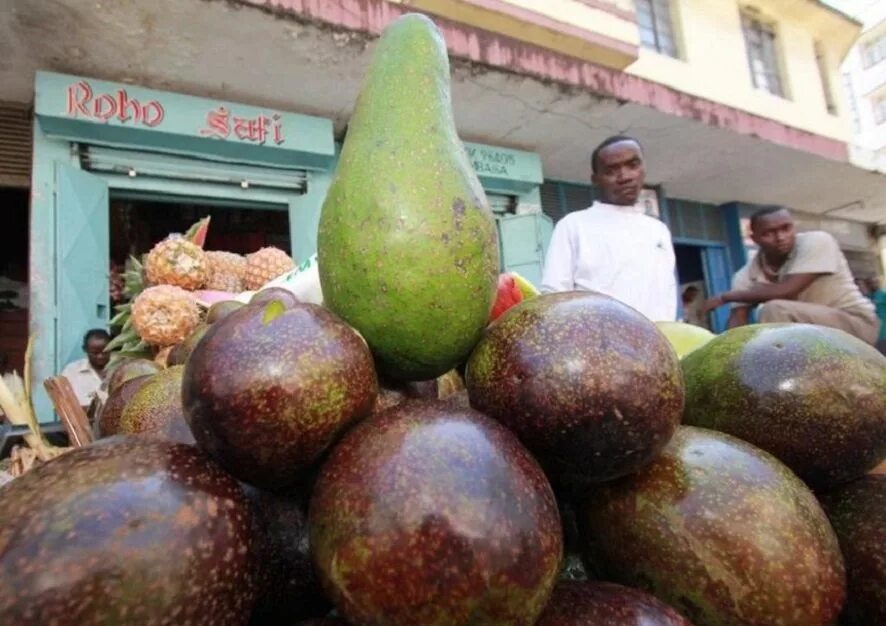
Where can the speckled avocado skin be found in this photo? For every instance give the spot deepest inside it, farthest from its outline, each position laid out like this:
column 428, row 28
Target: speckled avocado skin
column 267, row 397
column 814, row 397
column 407, row 246
column 112, row 411
column 155, row 410
column 606, row 604
column 180, row 353
column 288, row 587
column 129, row 369
column 126, row 531
column 433, row 515
column 589, row 385
column 721, row 531
column 858, row 514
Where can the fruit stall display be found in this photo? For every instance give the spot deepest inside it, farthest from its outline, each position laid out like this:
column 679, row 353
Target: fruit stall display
column 433, row 443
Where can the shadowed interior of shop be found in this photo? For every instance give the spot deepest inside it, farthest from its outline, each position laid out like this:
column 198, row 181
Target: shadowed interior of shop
column 136, row 225
column 13, row 279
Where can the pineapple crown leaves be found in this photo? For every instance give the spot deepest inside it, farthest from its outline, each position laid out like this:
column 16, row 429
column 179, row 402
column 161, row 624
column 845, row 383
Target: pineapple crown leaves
column 133, row 277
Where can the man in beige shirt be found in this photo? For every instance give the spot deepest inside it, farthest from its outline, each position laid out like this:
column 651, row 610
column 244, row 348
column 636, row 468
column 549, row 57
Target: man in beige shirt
column 797, row 277
column 86, row 375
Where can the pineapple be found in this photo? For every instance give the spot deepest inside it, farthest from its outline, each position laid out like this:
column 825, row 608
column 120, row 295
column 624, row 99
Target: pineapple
column 164, row 315
column 176, row 261
column 264, row 266
column 226, row 271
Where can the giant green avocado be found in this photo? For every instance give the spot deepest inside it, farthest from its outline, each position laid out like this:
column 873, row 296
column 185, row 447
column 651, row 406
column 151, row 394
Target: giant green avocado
column 407, row 247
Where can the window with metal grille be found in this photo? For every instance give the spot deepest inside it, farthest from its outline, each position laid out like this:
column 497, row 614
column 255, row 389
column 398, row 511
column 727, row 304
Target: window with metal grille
column 695, row 221
column 824, row 74
column 873, row 52
column 558, row 199
column 762, row 47
column 656, row 26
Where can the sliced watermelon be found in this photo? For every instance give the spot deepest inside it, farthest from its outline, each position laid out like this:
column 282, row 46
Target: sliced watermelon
column 197, row 233
column 526, row 288
column 508, row 295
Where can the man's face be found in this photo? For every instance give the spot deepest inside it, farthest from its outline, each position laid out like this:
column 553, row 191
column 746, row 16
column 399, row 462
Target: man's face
column 620, row 173
column 95, row 352
column 775, row 234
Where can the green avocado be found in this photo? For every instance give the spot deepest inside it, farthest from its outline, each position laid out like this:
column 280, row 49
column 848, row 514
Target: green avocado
column 407, row 246
column 814, row 397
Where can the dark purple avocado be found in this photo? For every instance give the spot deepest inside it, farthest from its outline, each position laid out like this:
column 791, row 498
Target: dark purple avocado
column 590, row 385
column 814, row 397
column 112, row 410
column 594, row 603
column 155, row 409
column 430, row 514
column 858, row 514
column 721, row 531
column 268, row 389
column 126, row 531
column 288, row 586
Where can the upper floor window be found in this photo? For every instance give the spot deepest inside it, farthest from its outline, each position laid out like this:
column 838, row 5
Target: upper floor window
column 880, row 110
column 849, row 90
column 825, row 75
column 656, row 27
column 762, row 44
column 873, row 52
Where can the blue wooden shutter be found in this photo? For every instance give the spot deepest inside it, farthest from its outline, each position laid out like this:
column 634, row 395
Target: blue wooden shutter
column 82, row 258
column 717, row 280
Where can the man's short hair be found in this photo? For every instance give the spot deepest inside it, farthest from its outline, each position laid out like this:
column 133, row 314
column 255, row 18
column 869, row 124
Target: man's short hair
column 95, row 333
column 595, row 155
column 764, row 211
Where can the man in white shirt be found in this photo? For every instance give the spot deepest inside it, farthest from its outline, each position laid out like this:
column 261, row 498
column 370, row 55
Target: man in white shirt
column 797, row 277
column 86, row 375
column 613, row 247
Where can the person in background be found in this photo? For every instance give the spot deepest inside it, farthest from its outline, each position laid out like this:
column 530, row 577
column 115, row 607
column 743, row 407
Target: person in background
column 613, row 247
column 878, row 296
column 692, row 306
column 797, row 278
column 86, row 375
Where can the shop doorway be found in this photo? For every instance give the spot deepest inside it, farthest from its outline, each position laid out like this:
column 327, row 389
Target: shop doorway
column 109, row 217
column 14, row 279
column 702, row 271
column 137, row 223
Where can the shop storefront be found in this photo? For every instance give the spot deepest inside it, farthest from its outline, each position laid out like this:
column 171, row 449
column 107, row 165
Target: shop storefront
column 512, row 180
column 117, row 167
column 114, row 163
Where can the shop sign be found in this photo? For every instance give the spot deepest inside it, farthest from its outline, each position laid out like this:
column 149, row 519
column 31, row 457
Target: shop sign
column 221, row 124
column 490, row 161
column 83, row 102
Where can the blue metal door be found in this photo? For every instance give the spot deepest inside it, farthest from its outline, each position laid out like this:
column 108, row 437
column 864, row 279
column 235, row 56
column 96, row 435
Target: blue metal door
column 524, row 241
column 82, row 298
column 717, row 280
